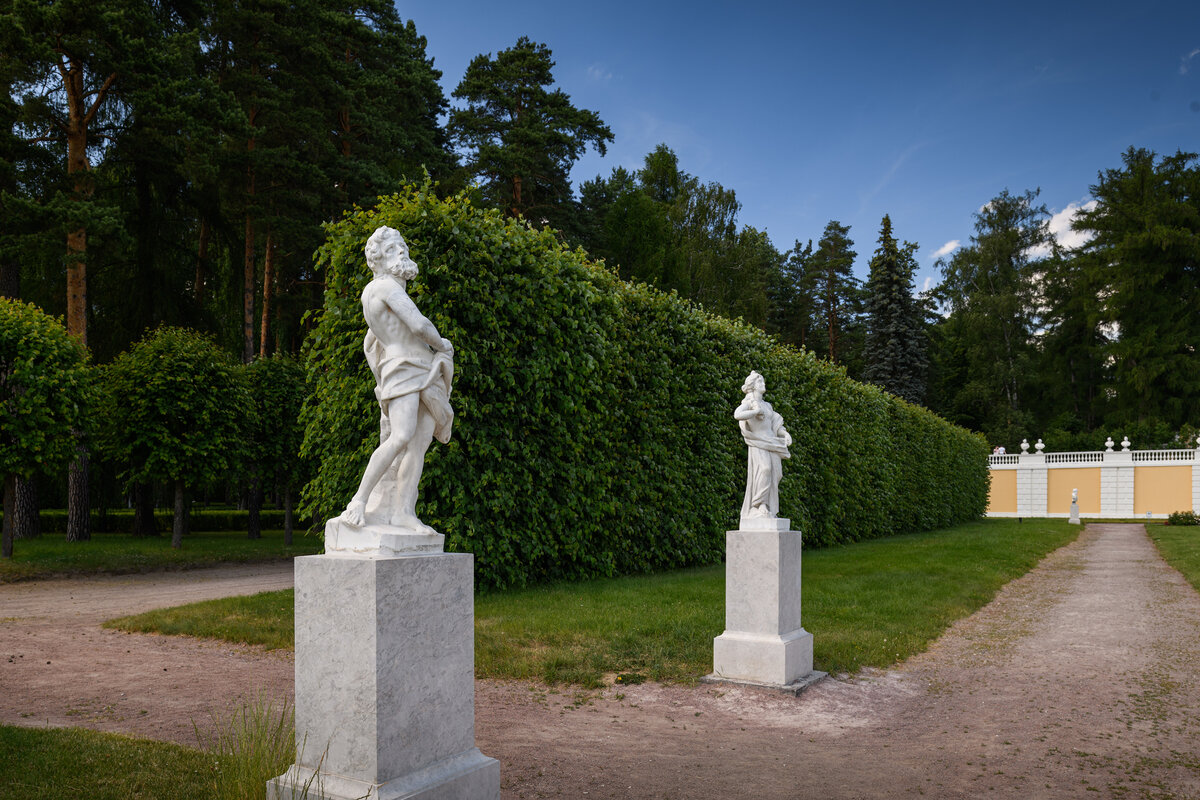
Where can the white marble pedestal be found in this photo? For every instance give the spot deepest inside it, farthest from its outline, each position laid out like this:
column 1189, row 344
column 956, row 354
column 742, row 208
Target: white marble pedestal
column 764, row 642
column 385, row 684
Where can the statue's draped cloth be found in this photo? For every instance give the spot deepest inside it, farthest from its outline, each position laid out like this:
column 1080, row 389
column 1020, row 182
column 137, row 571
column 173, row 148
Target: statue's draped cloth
column 764, row 463
column 398, row 374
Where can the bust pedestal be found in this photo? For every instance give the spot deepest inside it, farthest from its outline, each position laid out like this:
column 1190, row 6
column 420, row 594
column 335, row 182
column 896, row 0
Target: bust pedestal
column 385, row 684
column 764, row 642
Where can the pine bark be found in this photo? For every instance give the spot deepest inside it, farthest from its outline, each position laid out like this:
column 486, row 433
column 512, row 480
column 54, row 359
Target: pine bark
column 268, row 287
column 201, row 261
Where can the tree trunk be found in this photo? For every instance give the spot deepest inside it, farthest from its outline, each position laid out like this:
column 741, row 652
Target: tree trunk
column 248, row 255
column 79, row 170
column 516, row 208
column 27, row 522
column 201, row 262
column 254, row 518
column 10, row 279
column 181, row 514
column 10, row 505
column 79, row 528
column 268, row 287
column 143, row 511
column 287, row 515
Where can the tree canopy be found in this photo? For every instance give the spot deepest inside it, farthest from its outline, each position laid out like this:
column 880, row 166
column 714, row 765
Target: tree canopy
column 521, row 136
column 43, row 392
column 174, row 408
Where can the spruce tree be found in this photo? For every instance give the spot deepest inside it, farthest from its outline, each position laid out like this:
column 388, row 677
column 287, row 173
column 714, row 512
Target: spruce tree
column 894, row 353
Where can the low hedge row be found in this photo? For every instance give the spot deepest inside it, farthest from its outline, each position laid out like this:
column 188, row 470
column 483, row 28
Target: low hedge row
column 594, row 432
column 55, row 520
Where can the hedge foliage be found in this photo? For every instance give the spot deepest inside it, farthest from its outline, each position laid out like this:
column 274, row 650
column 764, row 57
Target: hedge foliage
column 594, row 431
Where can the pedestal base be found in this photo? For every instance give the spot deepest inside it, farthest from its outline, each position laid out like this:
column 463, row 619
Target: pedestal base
column 385, row 684
column 468, row 776
column 764, row 642
column 763, row 659
column 795, row 688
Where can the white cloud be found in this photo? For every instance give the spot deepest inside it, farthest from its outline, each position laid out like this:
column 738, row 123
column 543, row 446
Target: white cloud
column 1060, row 229
column 598, row 73
column 1060, row 225
column 946, row 249
column 1186, row 60
column 927, row 284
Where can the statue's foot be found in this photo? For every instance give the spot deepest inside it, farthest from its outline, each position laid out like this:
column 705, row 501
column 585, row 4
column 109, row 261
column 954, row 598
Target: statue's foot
column 355, row 513
column 410, row 522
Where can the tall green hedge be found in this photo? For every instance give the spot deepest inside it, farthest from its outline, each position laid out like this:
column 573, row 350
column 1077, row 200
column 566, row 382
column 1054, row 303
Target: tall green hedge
column 594, row 431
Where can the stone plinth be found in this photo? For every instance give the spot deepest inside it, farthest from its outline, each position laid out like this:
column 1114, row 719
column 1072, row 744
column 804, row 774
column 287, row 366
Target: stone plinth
column 385, row 685
column 342, row 539
column 764, row 642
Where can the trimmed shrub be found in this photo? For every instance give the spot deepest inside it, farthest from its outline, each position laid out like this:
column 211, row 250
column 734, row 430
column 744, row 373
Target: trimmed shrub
column 594, row 430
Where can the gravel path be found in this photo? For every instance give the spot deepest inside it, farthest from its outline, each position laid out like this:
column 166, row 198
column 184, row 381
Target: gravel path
column 1081, row 679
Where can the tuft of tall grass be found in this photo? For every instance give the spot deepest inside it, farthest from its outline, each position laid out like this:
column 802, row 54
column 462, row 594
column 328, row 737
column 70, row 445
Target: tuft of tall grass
column 254, row 742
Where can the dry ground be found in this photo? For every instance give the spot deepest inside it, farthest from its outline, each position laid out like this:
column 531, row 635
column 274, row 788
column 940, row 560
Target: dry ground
column 1081, row 679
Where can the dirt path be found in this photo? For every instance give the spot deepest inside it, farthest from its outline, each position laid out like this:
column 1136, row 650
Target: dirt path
column 1081, row 679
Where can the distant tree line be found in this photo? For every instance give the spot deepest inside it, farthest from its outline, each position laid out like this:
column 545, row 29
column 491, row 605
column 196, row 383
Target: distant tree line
column 1075, row 345
column 175, row 163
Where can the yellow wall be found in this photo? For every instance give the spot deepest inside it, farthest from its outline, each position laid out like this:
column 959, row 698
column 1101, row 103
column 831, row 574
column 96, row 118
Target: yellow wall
column 1002, row 495
column 1162, row 490
column 1060, row 482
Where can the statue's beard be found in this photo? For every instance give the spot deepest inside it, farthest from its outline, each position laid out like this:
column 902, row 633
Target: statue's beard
column 404, row 269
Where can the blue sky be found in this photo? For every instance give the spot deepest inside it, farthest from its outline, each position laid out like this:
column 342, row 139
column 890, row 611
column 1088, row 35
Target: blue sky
column 820, row 111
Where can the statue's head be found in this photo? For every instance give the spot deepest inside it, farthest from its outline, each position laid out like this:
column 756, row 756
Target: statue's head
column 387, row 251
column 754, row 382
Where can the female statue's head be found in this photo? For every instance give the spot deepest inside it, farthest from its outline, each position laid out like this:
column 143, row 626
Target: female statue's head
column 754, row 382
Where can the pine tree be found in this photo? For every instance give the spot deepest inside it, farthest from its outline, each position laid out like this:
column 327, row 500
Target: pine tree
column 838, row 296
column 894, row 353
column 522, row 136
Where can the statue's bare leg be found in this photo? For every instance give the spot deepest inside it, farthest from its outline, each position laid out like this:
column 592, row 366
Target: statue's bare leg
column 402, row 417
column 412, row 461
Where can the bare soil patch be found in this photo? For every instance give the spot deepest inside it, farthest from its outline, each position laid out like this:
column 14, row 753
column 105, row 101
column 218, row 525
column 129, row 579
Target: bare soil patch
column 1081, row 679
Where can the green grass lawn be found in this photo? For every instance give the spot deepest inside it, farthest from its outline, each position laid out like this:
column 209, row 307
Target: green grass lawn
column 867, row 604
column 74, row 763
column 1180, row 546
column 51, row 555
